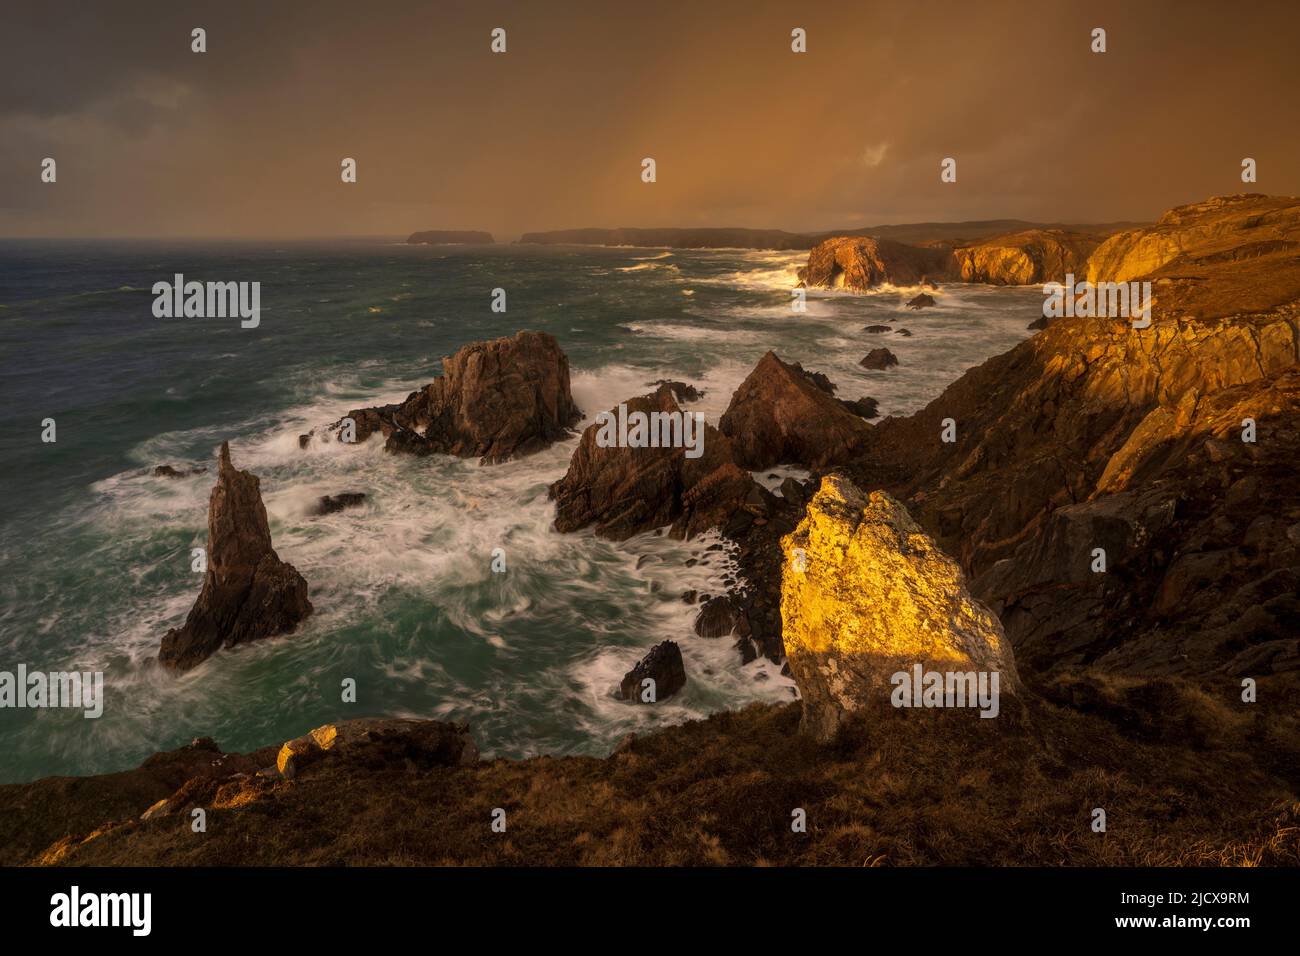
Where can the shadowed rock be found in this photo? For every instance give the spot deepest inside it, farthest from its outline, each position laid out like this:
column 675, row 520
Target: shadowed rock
column 878, row 359
column 167, row 471
column 921, row 301
column 718, row 617
column 664, row 666
column 784, row 414
column 875, row 596
column 248, row 592
column 495, row 400
column 382, row 741
column 328, row 504
column 622, row 491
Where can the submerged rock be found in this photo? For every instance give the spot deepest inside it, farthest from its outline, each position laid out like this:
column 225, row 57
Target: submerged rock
column 876, row 597
column 664, row 666
column 877, row 329
column 784, row 414
column 328, row 504
column 167, row 471
column 622, row 491
column 495, row 401
column 248, row 592
column 880, row 358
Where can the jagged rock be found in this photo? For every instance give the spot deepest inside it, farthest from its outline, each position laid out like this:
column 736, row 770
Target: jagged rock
column 328, row 504
column 681, row 390
column 921, row 301
column 623, row 491
column 1038, row 323
column 876, row 596
column 167, row 471
column 1023, row 258
column 877, row 329
column 718, row 617
column 783, row 414
column 879, row 359
column 382, row 741
column 495, row 400
column 860, row 263
column 664, row 666
column 248, row 592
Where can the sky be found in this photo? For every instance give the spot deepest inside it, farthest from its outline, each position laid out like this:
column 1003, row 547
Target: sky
column 246, row 140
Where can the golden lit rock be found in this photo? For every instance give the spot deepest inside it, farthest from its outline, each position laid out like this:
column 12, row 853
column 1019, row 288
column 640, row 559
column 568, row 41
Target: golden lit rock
column 875, row 597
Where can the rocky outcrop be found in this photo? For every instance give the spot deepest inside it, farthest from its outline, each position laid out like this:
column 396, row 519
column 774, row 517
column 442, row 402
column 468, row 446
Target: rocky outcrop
column 878, row 359
column 440, row 237
column 381, row 740
column 784, row 414
column 1228, row 255
column 167, row 471
column 1025, row 258
column 1089, row 410
column 622, row 491
column 718, row 617
column 248, row 592
column 663, row 665
column 861, row 264
column 495, row 401
column 921, row 301
column 875, row 596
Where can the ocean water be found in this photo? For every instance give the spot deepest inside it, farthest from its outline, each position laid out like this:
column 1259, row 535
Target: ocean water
column 94, row 550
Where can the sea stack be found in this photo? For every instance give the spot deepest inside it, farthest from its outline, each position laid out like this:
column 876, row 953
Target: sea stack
column 248, row 592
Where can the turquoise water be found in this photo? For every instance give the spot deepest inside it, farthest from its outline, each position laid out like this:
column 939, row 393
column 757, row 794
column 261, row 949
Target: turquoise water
column 94, row 551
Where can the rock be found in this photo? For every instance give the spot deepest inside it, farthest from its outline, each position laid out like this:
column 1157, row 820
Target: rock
column 792, row 491
column 864, row 407
column 877, row 596
column 1038, row 323
column 624, row 491
column 876, row 329
column 664, row 666
column 328, row 504
column 1025, row 258
column 861, row 263
column 248, row 592
column 905, row 332
column 719, row 617
column 879, row 359
column 495, row 401
column 783, row 414
column 383, row 741
column 439, row 237
column 681, row 391
column 167, row 471
column 922, row 301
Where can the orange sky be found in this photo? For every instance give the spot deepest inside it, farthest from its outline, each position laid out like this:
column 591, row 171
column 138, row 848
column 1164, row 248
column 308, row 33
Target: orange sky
column 246, row 140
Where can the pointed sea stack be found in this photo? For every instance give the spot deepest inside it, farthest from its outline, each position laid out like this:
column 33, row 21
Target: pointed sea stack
column 248, row 592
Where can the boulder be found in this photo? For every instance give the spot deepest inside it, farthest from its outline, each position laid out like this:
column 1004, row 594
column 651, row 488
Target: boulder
column 876, row 597
column 880, row 358
column 921, row 301
column 248, row 592
column 167, row 471
column 495, row 401
column 623, row 491
column 664, row 666
column 328, row 504
column 904, row 332
column 861, row 263
column 783, row 414
column 877, row 329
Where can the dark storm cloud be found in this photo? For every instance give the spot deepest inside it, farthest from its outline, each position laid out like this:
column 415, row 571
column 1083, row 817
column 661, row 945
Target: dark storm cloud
column 247, row 138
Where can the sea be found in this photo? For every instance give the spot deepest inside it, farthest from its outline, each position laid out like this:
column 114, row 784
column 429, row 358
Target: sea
column 95, row 551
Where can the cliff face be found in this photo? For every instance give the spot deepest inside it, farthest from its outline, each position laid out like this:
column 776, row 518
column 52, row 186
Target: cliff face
column 494, row 400
column 865, row 594
column 248, row 592
column 1024, row 258
column 862, row 263
column 1092, row 435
